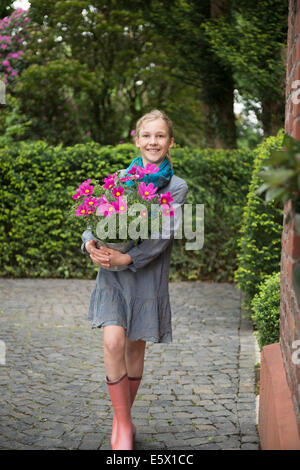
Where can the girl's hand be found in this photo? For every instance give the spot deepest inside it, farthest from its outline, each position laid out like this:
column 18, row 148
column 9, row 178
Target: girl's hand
column 115, row 257
column 106, row 257
column 97, row 255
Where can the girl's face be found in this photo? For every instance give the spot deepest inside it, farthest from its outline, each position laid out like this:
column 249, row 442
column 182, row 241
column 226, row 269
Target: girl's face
column 154, row 141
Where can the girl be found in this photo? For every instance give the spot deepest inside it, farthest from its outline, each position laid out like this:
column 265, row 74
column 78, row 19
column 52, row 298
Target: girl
column 133, row 305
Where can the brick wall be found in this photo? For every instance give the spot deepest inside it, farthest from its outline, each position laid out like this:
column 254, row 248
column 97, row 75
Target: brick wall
column 290, row 256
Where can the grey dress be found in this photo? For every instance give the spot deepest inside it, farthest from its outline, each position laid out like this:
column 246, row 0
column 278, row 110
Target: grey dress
column 137, row 298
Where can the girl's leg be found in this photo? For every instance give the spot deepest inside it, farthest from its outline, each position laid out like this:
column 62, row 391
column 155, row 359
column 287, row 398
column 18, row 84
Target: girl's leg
column 118, row 385
column 134, row 357
column 114, row 351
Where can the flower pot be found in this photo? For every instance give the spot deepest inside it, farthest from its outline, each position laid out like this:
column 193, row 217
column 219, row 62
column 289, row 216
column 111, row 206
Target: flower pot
column 123, row 247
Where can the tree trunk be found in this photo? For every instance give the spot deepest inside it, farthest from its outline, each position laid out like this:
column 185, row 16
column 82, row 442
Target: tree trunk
column 220, row 117
column 272, row 116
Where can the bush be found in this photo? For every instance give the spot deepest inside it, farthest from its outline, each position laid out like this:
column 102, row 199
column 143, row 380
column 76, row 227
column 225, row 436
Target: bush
column 220, row 180
column 259, row 240
column 37, row 181
column 266, row 308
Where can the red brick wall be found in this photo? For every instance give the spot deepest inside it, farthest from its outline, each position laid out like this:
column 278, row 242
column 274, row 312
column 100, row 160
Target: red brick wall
column 289, row 309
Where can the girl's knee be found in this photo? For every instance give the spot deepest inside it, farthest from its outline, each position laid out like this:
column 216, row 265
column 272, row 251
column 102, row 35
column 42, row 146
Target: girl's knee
column 114, row 342
column 135, row 347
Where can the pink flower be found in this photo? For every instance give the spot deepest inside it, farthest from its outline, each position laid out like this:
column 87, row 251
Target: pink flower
column 85, row 188
column 107, row 209
column 125, row 178
column 147, row 192
column 144, row 213
column 132, row 170
column 102, row 200
column 132, row 132
column 5, row 63
column 91, row 202
column 14, row 55
column 167, row 210
column 117, row 192
column 120, row 205
column 165, row 198
column 81, row 210
column 77, row 195
column 148, row 170
column 109, row 183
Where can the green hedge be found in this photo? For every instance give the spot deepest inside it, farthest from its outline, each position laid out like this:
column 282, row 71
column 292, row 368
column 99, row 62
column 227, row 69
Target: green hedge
column 37, row 181
column 259, row 240
column 266, row 310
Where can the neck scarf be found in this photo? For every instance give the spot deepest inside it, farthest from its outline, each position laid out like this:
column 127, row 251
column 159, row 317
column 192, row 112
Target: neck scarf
column 159, row 179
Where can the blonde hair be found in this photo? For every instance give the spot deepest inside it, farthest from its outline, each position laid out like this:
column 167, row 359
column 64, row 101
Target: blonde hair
column 151, row 116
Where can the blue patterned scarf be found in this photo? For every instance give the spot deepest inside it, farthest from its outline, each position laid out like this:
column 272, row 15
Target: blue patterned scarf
column 159, row 179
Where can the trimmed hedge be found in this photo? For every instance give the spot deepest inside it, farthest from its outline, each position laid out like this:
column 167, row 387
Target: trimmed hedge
column 266, row 307
column 259, row 240
column 37, row 181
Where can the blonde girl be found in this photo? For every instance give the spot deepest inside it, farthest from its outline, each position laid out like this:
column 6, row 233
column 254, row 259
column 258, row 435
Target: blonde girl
column 132, row 305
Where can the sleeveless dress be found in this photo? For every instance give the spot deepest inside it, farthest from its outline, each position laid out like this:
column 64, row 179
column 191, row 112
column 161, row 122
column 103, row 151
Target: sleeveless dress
column 137, row 298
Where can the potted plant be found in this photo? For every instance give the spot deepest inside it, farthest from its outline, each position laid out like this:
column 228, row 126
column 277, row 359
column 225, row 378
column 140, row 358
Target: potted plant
column 125, row 200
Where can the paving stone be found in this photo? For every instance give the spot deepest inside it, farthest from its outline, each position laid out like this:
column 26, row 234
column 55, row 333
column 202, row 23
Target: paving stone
column 197, row 392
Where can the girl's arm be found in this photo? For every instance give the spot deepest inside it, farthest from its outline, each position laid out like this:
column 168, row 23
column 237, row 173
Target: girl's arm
column 86, row 237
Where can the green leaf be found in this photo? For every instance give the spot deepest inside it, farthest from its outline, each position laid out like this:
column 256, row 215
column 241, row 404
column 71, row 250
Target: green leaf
column 278, row 176
column 274, row 193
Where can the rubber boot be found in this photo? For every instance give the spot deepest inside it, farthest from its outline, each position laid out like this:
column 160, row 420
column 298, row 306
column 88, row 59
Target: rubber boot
column 134, row 383
column 121, row 401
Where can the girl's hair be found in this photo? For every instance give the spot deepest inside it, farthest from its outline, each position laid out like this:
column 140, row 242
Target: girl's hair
column 151, row 116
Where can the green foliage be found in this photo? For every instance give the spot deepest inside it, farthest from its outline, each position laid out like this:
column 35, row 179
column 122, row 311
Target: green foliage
column 13, row 124
column 6, row 8
column 97, row 67
column 281, row 174
column 252, row 42
column 37, row 239
column 219, row 179
column 180, row 24
column 37, row 181
column 266, row 308
column 260, row 235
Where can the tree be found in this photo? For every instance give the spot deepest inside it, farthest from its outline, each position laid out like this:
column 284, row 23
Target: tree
column 96, row 67
column 6, row 8
column 181, row 24
column 253, row 44
column 13, row 37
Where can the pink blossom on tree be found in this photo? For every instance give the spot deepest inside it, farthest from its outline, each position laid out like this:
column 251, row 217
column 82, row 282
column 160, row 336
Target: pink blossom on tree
column 12, row 28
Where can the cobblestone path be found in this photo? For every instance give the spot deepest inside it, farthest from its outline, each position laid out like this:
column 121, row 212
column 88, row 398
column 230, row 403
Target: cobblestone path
column 197, row 392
